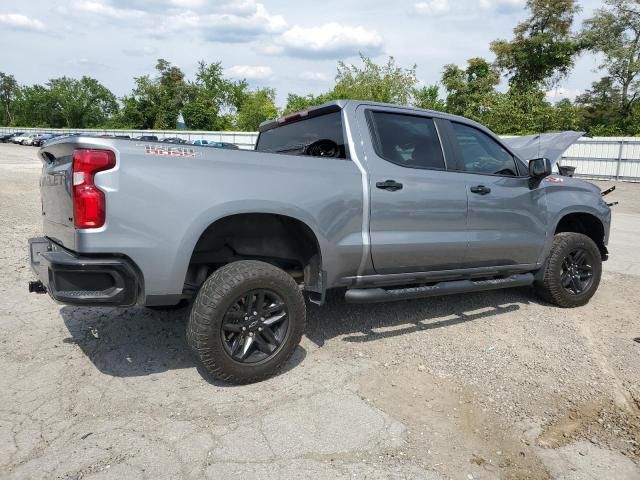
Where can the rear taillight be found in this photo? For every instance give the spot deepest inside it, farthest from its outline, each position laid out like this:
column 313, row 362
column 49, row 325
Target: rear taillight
column 88, row 200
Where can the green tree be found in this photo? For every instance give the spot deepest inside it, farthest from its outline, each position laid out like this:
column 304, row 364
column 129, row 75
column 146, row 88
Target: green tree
column 8, row 92
column 83, row 103
column 212, row 99
column 518, row 112
column 386, row 83
column 256, row 107
column 543, row 48
column 614, row 33
column 172, row 94
column 297, row 103
column 34, row 105
column 139, row 109
column 470, row 91
column 565, row 115
column 429, row 98
column 600, row 105
column 155, row 102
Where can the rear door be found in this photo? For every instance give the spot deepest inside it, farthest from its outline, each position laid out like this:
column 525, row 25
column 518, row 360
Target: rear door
column 418, row 208
column 506, row 219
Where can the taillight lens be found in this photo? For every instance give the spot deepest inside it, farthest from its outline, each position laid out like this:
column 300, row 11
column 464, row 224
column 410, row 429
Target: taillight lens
column 88, row 200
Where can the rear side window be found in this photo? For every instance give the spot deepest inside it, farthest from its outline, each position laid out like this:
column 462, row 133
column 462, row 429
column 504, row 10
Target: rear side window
column 319, row 136
column 482, row 154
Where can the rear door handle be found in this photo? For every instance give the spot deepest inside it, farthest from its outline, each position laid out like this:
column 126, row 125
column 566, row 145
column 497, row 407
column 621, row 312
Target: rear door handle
column 480, row 190
column 390, row 185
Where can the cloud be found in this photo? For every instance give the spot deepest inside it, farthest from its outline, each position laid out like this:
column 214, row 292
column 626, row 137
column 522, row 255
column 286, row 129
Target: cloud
column 250, row 72
column 105, row 10
column 21, row 22
column 432, row 8
column 240, row 23
column 331, row 40
column 561, row 92
column 85, row 64
column 503, row 6
column 186, row 3
column 314, row 76
column 238, row 28
column 164, row 5
column 140, row 52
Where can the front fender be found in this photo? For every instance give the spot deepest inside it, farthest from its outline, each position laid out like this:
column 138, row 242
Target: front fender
column 572, row 196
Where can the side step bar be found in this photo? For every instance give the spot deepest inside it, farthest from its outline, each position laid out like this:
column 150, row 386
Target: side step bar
column 373, row 295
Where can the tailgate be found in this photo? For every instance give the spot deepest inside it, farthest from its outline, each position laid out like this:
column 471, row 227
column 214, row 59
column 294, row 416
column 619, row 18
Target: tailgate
column 56, row 193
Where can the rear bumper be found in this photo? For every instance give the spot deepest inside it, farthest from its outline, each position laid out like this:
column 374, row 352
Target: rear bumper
column 80, row 280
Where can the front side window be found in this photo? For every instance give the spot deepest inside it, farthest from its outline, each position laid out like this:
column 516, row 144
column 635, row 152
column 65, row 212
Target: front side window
column 319, row 136
column 482, row 154
column 406, row 140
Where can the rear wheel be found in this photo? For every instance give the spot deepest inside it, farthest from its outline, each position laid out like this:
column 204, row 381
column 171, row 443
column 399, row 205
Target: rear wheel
column 246, row 321
column 572, row 271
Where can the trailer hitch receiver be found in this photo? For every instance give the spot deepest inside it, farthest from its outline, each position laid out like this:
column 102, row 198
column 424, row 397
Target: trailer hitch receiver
column 37, row 287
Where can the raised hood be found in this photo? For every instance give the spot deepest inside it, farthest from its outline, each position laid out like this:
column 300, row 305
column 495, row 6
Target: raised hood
column 543, row 145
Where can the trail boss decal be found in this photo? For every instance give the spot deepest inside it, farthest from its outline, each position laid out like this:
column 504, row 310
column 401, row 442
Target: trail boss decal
column 169, row 151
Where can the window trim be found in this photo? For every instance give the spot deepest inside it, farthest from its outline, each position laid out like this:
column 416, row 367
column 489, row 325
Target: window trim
column 461, row 154
column 375, row 138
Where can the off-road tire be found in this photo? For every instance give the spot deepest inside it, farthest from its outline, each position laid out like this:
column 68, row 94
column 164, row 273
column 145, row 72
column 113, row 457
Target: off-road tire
column 217, row 294
column 550, row 288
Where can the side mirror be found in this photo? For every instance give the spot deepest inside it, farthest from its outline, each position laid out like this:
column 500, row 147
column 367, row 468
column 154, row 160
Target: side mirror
column 539, row 168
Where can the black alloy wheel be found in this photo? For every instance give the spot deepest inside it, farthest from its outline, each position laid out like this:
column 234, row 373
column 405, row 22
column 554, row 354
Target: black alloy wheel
column 577, row 271
column 255, row 326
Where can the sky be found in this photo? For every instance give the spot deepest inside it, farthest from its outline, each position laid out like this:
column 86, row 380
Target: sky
column 291, row 45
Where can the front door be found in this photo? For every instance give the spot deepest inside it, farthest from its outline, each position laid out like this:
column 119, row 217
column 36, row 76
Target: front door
column 506, row 219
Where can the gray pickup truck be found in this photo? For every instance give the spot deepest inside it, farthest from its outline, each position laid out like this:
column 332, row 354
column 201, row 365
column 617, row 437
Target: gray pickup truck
column 385, row 202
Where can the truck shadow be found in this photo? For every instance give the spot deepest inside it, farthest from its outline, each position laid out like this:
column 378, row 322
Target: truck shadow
column 366, row 323
column 138, row 341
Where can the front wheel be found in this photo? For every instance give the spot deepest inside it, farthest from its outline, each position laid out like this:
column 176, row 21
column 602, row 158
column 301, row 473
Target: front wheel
column 246, row 321
column 572, row 271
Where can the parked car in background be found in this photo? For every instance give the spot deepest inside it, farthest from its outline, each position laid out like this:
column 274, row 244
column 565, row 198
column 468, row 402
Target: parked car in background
column 40, row 139
column 9, row 137
column 148, row 138
column 230, row 146
column 29, row 140
column 201, row 142
column 65, row 135
column 20, row 138
column 176, row 140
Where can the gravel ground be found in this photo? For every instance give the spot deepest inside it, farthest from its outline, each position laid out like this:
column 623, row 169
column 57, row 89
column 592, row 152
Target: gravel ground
column 494, row 385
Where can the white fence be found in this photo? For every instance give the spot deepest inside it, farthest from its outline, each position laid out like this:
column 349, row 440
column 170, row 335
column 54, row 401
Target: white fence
column 245, row 140
column 607, row 158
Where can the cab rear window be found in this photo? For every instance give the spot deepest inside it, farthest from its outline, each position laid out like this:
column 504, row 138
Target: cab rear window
column 320, row 136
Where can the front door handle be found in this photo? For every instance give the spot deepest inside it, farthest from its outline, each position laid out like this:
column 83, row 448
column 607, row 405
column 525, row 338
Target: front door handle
column 390, row 185
column 480, row 190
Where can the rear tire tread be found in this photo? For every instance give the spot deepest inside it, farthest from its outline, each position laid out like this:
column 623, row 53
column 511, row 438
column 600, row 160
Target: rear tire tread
column 206, row 310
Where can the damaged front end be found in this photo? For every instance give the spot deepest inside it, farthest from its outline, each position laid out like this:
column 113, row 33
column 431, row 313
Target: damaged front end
column 545, row 145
